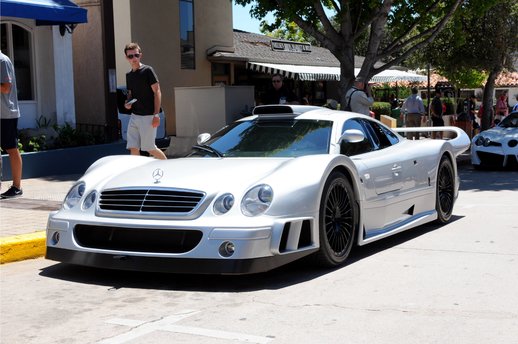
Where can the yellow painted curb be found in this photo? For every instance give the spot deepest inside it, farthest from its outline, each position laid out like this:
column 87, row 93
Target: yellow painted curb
column 20, row 247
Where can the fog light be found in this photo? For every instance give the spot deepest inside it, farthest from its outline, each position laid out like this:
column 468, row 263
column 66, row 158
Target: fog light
column 55, row 238
column 227, row 249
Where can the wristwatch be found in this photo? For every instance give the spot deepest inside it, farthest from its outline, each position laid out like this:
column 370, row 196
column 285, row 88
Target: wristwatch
column 157, row 115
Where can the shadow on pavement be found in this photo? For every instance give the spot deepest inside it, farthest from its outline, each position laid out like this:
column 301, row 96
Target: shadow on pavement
column 285, row 276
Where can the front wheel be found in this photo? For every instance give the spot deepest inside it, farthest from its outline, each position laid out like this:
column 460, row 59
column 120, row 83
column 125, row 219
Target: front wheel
column 338, row 219
column 445, row 190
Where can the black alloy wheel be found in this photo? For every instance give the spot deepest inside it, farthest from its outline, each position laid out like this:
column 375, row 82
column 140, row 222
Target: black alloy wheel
column 445, row 190
column 337, row 221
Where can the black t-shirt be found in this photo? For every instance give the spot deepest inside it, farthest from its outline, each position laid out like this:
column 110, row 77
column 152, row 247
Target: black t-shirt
column 437, row 106
column 274, row 96
column 139, row 83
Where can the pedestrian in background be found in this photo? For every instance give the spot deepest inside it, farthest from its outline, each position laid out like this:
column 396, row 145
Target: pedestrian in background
column 413, row 110
column 279, row 93
column 359, row 97
column 144, row 100
column 437, row 112
column 9, row 123
column 515, row 107
column 502, row 109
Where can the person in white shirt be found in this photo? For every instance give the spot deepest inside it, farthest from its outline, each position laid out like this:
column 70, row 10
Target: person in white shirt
column 360, row 97
column 413, row 110
column 515, row 107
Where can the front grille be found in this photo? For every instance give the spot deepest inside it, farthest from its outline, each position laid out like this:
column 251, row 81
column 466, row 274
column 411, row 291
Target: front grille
column 150, row 200
column 137, row 239
column 490, row 158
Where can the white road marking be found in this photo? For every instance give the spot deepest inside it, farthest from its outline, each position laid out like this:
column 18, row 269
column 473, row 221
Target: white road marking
column 142, row 328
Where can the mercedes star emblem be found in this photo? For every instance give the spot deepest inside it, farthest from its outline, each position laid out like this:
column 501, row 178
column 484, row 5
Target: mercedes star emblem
column 157, row 175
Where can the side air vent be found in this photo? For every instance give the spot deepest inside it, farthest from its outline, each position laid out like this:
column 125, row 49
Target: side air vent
column 295, row 235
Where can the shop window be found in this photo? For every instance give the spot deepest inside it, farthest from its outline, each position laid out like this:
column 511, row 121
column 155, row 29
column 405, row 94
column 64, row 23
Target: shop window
column 187, row 50
column 17, row 44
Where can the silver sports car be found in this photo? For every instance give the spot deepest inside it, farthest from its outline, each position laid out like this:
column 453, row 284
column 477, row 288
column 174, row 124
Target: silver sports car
column 282, row 184
column 498, row 146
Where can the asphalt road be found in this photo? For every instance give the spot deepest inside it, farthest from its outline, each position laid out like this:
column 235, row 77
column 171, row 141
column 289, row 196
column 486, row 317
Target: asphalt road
column 435, row 284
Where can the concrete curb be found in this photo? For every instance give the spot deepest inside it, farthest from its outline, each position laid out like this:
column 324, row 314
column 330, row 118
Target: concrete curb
column 24, row 246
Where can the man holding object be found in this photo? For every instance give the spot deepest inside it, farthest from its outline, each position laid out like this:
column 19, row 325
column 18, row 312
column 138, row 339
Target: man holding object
column 143, row 85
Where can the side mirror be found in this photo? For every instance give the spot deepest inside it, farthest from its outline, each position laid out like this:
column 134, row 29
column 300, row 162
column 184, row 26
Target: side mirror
column 202, row 138
column 352, row 136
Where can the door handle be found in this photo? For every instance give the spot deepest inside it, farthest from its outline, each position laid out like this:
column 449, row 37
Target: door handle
column 396, row 169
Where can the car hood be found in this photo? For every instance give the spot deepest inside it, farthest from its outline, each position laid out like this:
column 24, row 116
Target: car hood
column 499, row 134
column 197, row 173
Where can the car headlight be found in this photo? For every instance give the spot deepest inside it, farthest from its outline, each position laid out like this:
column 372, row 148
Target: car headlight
column 89, row 200
column 223, row 204
column 74, row 195
column 257, row 200
column 482, row 141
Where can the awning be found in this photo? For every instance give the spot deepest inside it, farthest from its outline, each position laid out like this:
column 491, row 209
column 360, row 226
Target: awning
column 314, row 73
column 393, row 75
column 304, row 73
column 45, row 12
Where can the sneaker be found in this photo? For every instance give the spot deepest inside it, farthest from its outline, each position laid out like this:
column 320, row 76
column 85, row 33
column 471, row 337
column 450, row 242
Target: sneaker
column 12, row 192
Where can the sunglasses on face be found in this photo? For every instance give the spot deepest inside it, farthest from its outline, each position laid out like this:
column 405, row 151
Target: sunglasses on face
column 130, row 56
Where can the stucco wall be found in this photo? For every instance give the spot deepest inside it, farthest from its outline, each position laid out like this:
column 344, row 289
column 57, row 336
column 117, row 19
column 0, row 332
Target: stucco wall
column 89, row 81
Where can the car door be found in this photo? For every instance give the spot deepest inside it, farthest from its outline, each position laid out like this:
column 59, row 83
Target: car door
column 381, row 168
column 383, row 164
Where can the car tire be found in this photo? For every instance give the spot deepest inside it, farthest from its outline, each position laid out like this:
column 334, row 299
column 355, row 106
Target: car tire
column 338, row 217
column 445, row 190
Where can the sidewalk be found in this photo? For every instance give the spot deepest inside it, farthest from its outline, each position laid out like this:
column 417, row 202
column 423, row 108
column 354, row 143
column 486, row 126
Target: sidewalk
column 23, row 220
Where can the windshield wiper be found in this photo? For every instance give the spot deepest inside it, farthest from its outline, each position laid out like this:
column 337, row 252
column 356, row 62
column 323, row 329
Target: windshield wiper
column 207, row 148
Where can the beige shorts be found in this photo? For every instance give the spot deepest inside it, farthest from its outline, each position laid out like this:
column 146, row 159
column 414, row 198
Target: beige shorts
column 141, row 133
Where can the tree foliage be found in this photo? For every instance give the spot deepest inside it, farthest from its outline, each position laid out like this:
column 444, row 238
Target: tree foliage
column 340, row 25
column 287, row 31
column 477, row 46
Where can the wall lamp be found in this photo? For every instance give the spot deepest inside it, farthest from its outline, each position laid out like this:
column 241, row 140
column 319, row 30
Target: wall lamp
column 63, row 28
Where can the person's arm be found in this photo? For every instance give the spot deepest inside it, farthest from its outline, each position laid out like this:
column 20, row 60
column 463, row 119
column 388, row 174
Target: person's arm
column 364, row 99
column 6, row 83
column 6, row 87
column 157, row 102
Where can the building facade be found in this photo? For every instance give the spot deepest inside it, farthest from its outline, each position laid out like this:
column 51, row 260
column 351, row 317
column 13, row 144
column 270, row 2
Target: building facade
column 174, row 36
column 37, row 36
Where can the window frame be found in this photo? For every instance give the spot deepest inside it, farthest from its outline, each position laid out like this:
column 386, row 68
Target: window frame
column 192, row 64
column 8, row 50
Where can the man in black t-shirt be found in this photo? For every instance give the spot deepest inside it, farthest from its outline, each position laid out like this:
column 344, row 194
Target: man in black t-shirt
column 437, row 120
column 279, row 94
column 144, row 100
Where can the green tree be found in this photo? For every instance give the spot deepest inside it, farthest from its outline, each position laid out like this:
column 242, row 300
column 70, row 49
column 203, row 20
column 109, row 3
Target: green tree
column 287, row 31
column 412, row 24
column 477, row 46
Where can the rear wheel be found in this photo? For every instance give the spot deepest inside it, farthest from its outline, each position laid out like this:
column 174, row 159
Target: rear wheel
column 337, row 221
column 445, row 190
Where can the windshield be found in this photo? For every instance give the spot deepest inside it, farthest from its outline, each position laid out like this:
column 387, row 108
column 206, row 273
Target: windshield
column 510, row 121
column 270, row 138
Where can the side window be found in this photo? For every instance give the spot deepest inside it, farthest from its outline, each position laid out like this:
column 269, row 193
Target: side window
column 355, row 148
column 382, row 137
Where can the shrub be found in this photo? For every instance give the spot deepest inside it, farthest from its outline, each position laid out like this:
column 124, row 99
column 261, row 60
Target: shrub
column 381, row 108
column 71, row 137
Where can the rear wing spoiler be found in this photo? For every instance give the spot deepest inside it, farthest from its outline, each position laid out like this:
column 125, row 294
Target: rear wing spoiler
column 460, row 142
